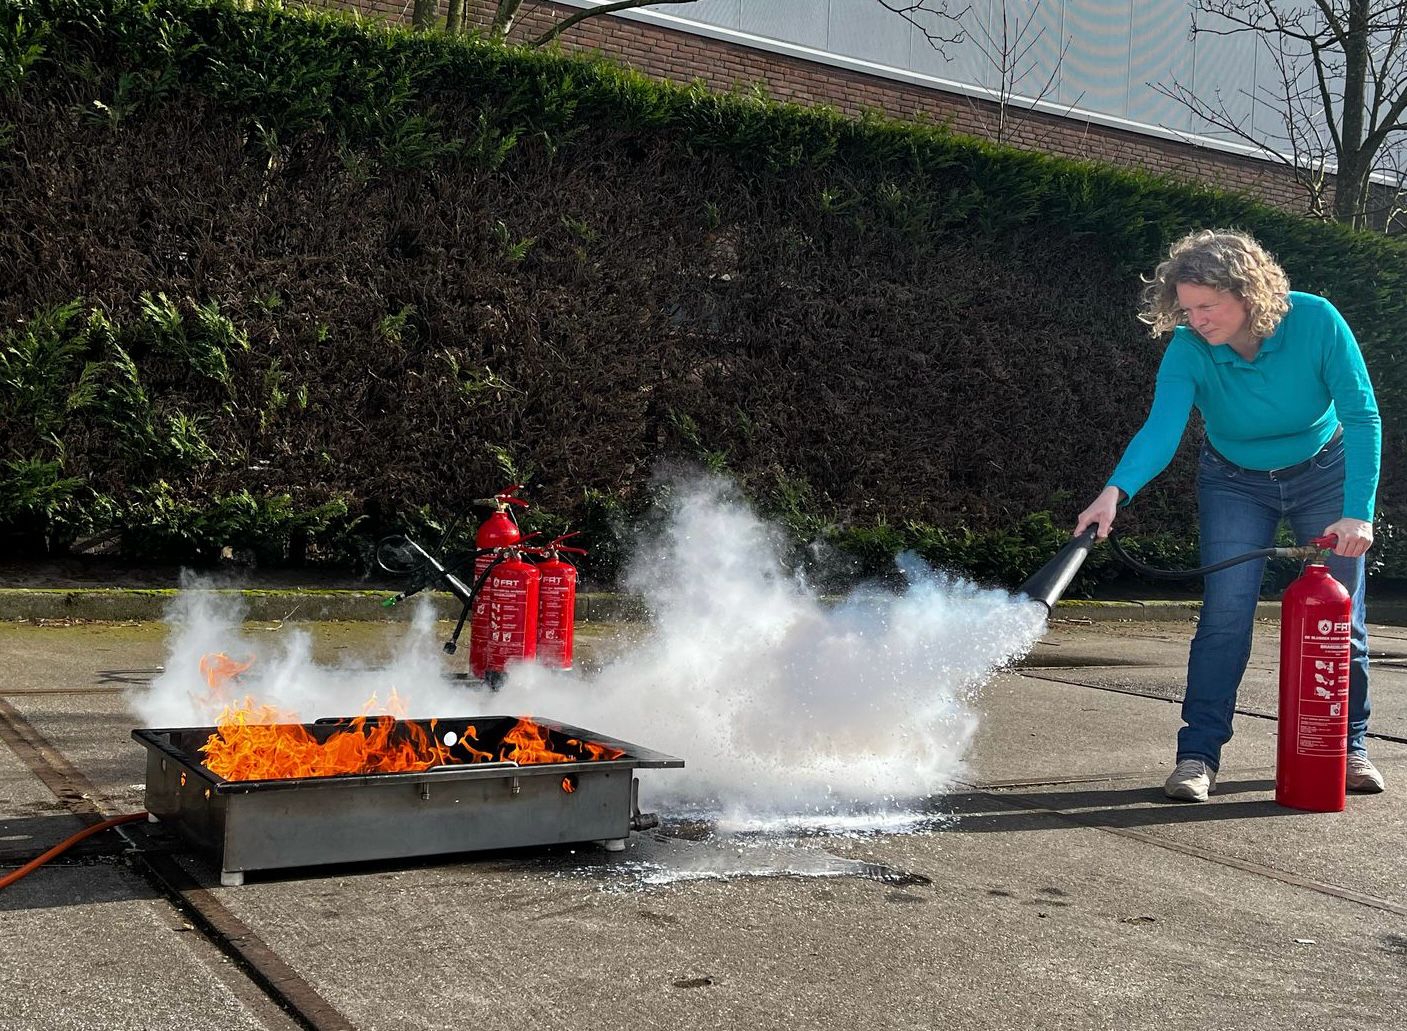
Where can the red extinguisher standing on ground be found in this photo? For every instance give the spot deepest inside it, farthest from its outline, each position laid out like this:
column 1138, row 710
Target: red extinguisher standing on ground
column 556, row 623
column 504, row 624
column 1312, row 749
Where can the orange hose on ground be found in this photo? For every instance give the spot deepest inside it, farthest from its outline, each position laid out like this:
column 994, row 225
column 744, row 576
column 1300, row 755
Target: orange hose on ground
column 63, row 846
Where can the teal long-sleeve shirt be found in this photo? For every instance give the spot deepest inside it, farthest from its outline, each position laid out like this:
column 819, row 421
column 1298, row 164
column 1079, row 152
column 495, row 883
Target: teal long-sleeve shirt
column 1273, row 411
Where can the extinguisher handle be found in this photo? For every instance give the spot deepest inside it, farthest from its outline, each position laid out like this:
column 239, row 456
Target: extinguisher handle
column 1327, row 542
column 548, row 550
column 556, row 545
column 502, row 496
column 499, row 499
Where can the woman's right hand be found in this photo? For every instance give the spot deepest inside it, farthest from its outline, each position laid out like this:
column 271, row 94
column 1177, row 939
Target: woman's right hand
column 1100, row 512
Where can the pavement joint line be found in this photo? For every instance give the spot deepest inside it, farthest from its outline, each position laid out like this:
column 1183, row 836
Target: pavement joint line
column 1396, row 739
column 279, row 981
column 267, row 971
column 24, row 692
column 1040, row 782
column 1030, row 802
column 50, row 765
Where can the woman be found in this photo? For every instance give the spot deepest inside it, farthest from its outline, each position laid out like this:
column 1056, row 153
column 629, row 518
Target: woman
column 1292, row 433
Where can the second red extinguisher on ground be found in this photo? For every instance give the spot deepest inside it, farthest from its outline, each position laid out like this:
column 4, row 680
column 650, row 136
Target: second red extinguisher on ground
column 556, row 624
column 1315, row 627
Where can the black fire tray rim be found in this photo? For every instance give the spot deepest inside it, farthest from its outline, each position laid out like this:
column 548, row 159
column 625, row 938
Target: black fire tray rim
column 636, row 757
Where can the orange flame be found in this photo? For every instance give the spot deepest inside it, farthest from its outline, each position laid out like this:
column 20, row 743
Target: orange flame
column 528, row 743
column 595, row 752
column 256, row 741
column 264, row 744
column 217, row 668
column 475, row 756
column 261, row 743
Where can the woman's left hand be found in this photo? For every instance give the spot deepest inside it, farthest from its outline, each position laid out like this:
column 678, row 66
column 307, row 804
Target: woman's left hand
column 1355, row 536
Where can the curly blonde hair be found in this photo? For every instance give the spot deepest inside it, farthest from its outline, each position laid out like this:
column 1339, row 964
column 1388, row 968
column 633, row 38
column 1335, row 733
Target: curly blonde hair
column 1223, row 259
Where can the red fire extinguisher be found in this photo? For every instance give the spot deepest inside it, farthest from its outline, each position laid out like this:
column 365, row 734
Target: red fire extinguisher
column 556, row 623
column 510, row 600
column 1312, row 746
column 503, row 628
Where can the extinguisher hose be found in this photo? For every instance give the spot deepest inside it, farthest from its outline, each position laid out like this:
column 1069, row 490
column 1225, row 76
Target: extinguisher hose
column 453, row 643
column 1306, row 552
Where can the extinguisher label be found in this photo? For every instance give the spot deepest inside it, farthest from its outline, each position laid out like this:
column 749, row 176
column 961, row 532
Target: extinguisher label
column 556, row 617
column 1323, row 683
column 505, row 620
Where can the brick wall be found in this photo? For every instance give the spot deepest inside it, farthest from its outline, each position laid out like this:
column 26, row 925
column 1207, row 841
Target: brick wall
column 683, row 57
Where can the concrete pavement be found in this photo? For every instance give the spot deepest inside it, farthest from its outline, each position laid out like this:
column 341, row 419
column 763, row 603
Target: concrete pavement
column 1064, row 894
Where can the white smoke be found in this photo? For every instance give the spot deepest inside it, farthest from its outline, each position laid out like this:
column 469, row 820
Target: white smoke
column 282, row 673
column 786, row 707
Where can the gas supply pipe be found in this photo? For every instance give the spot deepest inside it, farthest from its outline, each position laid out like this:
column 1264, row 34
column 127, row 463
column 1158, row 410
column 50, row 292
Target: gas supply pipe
column 87, row 832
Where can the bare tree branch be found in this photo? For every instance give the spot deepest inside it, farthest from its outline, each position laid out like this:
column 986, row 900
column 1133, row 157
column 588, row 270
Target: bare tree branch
column 1354, row 52
column 591, row 12
column 1305, row 171
column 1007, row 51
column 1008, row 54
column 1244, row 18
column 916, row 12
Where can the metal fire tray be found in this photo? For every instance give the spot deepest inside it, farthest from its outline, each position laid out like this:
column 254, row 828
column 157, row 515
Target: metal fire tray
column 312, row 821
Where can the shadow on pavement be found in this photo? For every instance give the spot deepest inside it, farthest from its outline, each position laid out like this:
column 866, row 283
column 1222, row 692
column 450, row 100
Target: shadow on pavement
column 1125, row 808
column 142, row 677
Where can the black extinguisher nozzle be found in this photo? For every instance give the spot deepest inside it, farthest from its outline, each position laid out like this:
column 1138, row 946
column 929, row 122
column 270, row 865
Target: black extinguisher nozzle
column 1051, row 580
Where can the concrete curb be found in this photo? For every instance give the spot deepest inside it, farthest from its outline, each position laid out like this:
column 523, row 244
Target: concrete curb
column 1154, row 611
column 122, row 604
column 263, row 606
column 307, row 605
column 300, row 605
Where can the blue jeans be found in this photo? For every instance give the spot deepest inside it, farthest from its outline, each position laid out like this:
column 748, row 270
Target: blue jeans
column 1240, row 512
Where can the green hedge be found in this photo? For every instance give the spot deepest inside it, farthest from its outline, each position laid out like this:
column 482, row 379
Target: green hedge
column 283, row 281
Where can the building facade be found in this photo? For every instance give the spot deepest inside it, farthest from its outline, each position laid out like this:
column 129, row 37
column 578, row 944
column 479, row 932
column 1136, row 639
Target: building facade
column 1077, row 78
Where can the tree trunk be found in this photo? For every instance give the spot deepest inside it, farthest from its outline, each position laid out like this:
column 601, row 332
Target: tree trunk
column 1353, row 168
column 454, row 17
column 503, row 18
column 1350, row 190
column 424, row 15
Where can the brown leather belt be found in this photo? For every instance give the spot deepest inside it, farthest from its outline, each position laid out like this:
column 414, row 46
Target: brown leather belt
column 1276, row 475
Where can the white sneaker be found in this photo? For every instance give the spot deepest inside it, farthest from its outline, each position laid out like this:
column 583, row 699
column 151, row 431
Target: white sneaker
column 1191, row 781
column 1363, row 775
